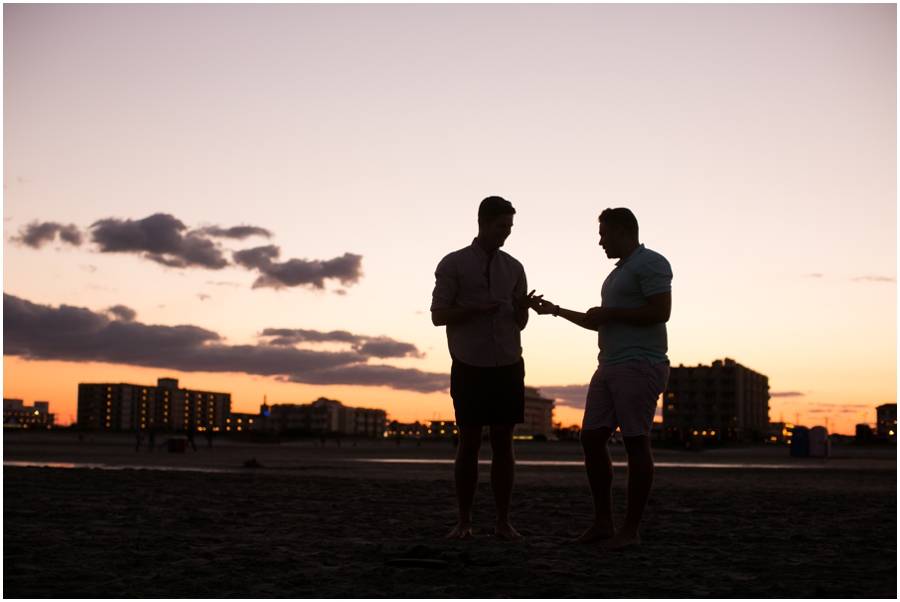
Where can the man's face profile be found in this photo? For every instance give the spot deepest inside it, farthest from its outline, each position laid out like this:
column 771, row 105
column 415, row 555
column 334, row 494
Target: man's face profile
column 496, row 231
column 610, row 236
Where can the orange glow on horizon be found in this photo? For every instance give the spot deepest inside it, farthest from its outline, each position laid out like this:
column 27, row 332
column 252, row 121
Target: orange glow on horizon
column 57, row 382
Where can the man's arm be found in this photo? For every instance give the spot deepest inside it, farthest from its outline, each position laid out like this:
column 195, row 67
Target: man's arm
column 657, row 311
column 543, row 307
column 521, row 303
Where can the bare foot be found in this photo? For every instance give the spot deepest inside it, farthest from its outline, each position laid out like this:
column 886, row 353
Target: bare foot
column 621, row 540
column 461, row 531
column 597, row 531
column 507, row 532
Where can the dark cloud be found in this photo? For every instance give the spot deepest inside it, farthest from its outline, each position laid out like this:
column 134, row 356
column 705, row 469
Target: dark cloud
column 875, row 279
column 296, row 272
column 571, row 396
column 786, row 394
column 381, row 347
column 165, row 239
column 36, row 234
column 292, row 336
column 238, row 232
column 161, row 238
column 41, row 332
column 126, row 314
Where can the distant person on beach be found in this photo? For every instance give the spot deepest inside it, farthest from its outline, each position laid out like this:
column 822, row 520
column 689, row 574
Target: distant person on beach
column 151, row 436
column 137, row 440
column 190, row 437
column 636, row 300
column 480, row 296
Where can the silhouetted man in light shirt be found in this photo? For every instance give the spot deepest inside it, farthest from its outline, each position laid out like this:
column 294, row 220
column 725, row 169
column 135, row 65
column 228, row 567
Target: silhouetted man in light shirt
column 480, row 296
column 633, row 370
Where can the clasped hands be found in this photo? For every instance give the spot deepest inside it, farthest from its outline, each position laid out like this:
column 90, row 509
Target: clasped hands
column 592, row 318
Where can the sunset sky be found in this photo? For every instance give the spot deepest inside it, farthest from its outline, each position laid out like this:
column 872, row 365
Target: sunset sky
column 305, row 167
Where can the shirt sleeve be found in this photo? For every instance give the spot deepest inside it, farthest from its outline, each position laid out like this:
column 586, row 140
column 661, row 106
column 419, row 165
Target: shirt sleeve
column 446, row 284
column 655, row 277
column 521, row 288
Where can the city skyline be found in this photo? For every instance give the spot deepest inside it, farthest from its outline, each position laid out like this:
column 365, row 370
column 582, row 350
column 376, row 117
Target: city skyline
column 259, row 195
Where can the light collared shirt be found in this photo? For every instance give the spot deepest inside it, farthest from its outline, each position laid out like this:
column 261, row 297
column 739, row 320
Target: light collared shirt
column 461, row 281
column 642, row 274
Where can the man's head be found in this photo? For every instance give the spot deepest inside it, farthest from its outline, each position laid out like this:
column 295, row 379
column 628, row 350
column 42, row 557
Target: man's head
column 495, row 221
column 618, row 232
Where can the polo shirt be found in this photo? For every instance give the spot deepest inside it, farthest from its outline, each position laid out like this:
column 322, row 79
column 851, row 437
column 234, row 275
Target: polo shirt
column 461, row 281
column 640, row 275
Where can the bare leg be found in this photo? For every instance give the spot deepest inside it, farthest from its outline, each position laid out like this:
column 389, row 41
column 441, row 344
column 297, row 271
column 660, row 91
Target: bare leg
column 503, row 477
column 640, row 481
column 599, row 469
column 465, row 474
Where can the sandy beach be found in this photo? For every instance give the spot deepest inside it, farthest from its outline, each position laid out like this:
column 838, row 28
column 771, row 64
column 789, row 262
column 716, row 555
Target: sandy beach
column 368, row 520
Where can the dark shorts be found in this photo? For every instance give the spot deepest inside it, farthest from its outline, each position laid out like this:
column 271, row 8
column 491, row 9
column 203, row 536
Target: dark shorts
column 485, row 396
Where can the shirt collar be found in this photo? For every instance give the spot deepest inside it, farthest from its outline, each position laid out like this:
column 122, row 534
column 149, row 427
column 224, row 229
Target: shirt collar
column 479, row 252
column 640, row 249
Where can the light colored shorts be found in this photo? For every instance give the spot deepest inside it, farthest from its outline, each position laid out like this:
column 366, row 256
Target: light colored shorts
column 624, row 395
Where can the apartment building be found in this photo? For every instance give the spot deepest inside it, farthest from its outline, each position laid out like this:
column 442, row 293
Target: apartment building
column 126, row 406
column 722, row 401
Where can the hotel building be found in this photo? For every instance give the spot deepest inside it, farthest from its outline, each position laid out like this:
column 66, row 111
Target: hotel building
column 723, row 401
column 125, row 406
column 325, row 416
column 538, row 415
column 18, row 415
column 887, row 420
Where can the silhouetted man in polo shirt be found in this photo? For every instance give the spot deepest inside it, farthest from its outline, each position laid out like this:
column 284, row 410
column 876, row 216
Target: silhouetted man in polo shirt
column 480, row 296
column 636, row 301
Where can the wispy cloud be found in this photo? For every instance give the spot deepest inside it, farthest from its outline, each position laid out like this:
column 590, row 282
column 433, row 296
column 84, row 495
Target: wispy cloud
column 237, row 232
column 379, row 346
column 166, row 240
column 161, row 238
column 37, row 234
column 295, row 272
column 77, row 334
column 121, row 312
column 786, row 394
column 571, row 396
column 875, row 279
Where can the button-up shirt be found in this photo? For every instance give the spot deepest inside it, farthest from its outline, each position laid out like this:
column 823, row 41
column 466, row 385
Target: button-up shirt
column 642, row 274
column 461, row 280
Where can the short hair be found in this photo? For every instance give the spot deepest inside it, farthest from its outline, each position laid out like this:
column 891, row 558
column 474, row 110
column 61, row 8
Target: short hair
column 494, row 206
column 620, row 216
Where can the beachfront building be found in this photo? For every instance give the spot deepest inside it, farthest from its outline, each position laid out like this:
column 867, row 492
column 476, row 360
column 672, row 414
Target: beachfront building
column 538, row 416
column 444, row 429
column 18, row 415
column 722, row 401
column 126, row 406
column 238, row 421
column 887, row 420
column 324, row 416
column 416, row 430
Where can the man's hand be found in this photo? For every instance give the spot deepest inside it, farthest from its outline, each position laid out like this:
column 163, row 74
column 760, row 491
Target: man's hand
column 543, row 306
column 486, row 309
column 522, row 301
column 595, row 317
